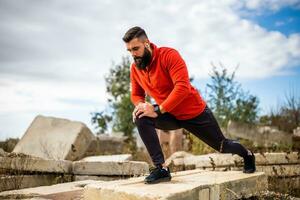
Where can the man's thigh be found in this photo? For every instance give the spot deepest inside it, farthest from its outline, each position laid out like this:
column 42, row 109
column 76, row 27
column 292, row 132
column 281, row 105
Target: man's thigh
column 166, row 121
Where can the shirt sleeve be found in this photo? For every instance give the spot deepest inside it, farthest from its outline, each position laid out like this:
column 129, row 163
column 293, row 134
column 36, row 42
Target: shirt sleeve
column 137, row 92
column 178, row 72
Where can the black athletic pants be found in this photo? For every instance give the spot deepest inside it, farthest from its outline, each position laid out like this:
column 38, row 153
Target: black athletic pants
column 204, row 126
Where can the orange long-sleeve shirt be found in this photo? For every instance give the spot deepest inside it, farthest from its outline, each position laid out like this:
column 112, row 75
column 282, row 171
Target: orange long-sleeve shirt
column 166, row 80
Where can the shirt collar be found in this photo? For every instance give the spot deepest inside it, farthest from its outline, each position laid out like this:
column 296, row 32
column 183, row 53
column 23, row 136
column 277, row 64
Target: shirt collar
column 154, row 53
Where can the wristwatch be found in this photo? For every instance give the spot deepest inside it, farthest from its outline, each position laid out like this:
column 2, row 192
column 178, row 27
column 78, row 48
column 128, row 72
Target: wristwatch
column 157, row 110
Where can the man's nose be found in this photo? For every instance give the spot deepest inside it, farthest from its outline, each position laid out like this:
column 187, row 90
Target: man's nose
column 133, row 54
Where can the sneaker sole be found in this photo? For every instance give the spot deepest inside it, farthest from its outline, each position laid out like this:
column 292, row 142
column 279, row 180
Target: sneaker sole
column 166, row 179
column 249, row 171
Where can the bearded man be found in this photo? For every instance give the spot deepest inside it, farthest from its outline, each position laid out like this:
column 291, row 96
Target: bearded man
column 161, row 73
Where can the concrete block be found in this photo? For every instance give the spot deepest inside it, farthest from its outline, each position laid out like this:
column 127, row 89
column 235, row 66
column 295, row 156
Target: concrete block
column 33, row 164
column 105, row 145
column 55, row 138
column 132, row 168
column 108, row 158
column 2, row 152
column 280, row 170
column 187, row 185
column 216, row 160
column 13, row 182
column 212, row 160
column 99, row 178
column 277, row 158
column 204, row 193
column 177, row 155
column 65, row 191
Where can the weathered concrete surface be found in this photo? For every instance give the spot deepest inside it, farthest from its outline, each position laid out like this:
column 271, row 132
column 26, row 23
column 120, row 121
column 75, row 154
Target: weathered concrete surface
column 55, row 138
column 215, row 160
column 2, row 152
column 105, row 145
column 12, row 182
column 34, row 164
column 108, row 158
column 187, row 185
column 99, row 178
column 64, row 191
column 278, row 167
column 132, row 168
column 280, row 170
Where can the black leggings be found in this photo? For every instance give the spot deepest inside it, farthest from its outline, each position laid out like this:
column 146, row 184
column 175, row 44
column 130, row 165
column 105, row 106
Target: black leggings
column 204, row 126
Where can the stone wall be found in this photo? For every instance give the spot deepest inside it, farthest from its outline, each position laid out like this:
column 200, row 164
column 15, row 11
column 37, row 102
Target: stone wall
column 19, row 171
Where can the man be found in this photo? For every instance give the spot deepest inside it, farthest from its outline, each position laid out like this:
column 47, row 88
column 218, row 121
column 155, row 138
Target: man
column 161, row 73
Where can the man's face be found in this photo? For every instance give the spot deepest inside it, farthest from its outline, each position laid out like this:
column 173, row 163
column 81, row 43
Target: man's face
column 139, row 52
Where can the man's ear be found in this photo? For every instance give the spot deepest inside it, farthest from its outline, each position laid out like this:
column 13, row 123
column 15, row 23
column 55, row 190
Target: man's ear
column 147, row 44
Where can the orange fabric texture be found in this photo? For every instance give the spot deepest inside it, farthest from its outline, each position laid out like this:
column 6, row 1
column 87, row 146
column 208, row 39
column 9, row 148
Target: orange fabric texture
column 166, row 80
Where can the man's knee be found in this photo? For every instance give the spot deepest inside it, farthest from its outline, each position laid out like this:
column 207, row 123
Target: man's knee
column 143, row 121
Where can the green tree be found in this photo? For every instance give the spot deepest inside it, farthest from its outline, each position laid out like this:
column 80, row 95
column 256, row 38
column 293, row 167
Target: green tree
column 227, row 99
column 118, row 86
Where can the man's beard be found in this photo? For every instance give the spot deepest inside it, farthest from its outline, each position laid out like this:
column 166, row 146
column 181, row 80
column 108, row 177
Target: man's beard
column 142, row 62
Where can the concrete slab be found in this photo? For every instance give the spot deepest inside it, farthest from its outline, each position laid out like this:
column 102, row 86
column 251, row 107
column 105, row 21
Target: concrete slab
column 64, row 191
column 280, row 170
column 106, row 145
column 223, row 160
column 99, row 178
column 132, row 168
column 2, row 152
column 33, row 164
column 55, row 138
column 13, row 182
column 213, row 160
column 187, row 185
column 108, row 158
column 277, row 158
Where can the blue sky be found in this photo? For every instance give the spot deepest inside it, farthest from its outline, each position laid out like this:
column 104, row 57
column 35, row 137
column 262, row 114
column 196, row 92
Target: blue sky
column 54, row 54
column 272, row 90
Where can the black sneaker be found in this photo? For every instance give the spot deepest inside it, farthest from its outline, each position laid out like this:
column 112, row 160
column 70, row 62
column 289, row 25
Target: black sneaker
column 157, row 175
column 249, row 164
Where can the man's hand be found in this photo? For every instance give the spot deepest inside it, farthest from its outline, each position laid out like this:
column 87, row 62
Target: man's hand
column 142, row 110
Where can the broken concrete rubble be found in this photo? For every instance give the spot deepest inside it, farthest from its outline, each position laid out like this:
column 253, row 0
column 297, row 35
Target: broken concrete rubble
column 105, row 145
column 2, row 152
column 275, row 165
column 34, row 164
column 108, row 158
column 55, row 138
column 72, row 190
column 126, row 168
column 14, row 182
column 189, row 185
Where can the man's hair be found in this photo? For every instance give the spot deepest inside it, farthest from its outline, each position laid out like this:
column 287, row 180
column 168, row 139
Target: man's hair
column 134, row 32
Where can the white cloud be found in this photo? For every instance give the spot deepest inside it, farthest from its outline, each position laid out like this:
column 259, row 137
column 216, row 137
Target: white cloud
column 273, row 5
column 54, row 54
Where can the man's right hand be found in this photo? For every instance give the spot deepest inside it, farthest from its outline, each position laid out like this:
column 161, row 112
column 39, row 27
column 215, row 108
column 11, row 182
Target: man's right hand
column 136, row 109
column 144, row 110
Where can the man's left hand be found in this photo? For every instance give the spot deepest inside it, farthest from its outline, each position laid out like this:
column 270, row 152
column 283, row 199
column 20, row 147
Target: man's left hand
column 145, row 110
